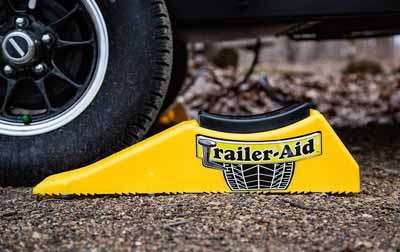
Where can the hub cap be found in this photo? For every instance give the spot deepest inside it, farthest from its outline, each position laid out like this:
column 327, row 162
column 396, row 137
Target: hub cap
column 18, row 48
column 53, row 60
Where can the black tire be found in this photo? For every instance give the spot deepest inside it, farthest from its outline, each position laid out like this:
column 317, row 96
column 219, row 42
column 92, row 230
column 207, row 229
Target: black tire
column 124, row 109
column 179, row 72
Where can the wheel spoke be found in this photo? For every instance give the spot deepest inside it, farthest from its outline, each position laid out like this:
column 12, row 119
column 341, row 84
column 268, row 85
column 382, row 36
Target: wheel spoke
column 9, row 89
column 56, row 71
column 65, row 44
column 42, row 88
column 65, row 17
column 10, row 6
column 2, row 28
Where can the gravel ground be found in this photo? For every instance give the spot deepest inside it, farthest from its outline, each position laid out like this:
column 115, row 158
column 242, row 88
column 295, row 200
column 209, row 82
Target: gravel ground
column 369, row 221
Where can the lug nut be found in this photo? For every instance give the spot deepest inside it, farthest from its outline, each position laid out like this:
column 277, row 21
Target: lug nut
column 8, row 70
column 47, row 38
column 40, row 68
column 20, row 22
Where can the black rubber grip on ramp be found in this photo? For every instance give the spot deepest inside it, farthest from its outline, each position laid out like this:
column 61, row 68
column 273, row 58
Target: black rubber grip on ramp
column 256, row 123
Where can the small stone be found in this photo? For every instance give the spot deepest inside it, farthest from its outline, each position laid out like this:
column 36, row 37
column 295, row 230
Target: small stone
column 36, row 235
column 367, row 216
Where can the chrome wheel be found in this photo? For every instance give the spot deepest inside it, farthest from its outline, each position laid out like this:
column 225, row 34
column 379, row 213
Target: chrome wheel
column 54, row 57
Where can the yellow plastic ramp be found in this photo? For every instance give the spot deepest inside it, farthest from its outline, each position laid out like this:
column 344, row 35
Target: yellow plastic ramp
column 292, row 150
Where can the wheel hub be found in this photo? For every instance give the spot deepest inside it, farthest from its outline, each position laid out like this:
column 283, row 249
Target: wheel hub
column 18, row 48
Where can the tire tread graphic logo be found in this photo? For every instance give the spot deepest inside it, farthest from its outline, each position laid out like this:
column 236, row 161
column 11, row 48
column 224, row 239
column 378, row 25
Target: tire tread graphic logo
column 259, row 177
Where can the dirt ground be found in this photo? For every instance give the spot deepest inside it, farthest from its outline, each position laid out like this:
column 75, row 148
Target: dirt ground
column 369, row 221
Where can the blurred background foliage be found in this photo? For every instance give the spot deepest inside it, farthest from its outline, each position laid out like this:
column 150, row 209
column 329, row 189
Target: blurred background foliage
column 353, row 82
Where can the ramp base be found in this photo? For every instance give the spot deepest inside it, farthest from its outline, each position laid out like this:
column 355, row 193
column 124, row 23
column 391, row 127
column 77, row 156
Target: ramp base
column 304, row 156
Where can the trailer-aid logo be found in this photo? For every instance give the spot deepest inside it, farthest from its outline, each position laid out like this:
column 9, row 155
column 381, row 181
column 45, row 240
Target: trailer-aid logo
column 266, row 165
